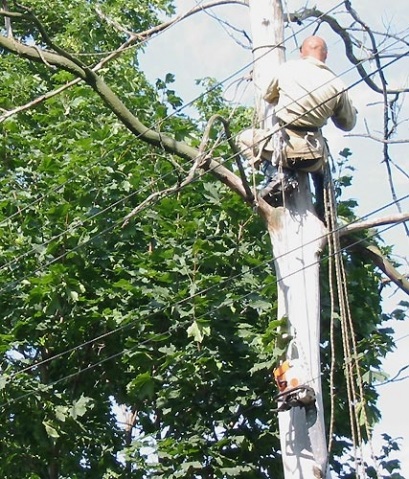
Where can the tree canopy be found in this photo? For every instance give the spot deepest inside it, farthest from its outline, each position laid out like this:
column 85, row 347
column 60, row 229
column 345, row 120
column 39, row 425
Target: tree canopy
column 142, row 349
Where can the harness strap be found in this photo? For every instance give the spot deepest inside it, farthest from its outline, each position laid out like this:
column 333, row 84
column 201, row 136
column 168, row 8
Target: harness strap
column 292, row 127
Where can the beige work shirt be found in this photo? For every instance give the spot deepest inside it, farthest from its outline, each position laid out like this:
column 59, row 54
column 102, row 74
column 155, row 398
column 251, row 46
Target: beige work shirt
column 306, row 93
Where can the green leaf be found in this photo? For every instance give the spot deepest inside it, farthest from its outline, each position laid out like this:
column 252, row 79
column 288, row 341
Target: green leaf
column 372, row 377
column 3, row 381
column 198, row 331
column 61, row 413
column 143, row 386
column 50, row 430
column 80, row 407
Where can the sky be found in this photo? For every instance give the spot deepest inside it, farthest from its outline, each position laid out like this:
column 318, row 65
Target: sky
column 202, row 46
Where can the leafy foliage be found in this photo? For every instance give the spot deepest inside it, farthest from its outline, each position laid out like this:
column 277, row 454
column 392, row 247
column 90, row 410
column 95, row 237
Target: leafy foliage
column 145, row 350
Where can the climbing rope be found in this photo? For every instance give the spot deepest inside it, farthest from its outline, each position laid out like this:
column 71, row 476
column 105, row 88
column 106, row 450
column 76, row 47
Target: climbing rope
column 339, row 297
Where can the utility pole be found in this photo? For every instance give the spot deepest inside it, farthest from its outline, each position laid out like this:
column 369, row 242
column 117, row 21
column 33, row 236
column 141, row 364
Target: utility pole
column 297, row 237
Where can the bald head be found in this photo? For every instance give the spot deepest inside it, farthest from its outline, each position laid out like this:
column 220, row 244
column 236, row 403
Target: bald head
column 314, row 47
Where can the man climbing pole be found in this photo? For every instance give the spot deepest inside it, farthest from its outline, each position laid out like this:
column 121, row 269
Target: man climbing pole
column 306, row 93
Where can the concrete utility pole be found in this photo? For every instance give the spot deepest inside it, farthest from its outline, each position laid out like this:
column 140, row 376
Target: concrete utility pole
column 297, row 236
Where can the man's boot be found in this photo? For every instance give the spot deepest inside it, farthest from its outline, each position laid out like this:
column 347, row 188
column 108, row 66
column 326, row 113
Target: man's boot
column 280, row 183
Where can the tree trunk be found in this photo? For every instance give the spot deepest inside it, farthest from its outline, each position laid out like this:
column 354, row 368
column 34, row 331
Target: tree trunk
column 267, row 29
column 297, row 237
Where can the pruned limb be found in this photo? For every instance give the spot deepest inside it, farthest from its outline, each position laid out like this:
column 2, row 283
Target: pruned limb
column 202, row 157
column 234, row 148
column 362, row 225
column 373, row 253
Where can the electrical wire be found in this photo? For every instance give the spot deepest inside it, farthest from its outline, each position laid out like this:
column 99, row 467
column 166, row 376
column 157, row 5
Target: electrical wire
column 129, row 325
column 180, row 109
column 215, row 86
column 78, row 224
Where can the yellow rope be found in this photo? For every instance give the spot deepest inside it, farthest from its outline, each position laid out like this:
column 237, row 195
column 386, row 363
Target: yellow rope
column 333, row 240
column 355, row 392
column 332, row 320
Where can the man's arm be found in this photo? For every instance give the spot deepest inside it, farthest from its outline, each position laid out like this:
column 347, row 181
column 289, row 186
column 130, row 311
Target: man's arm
column 344, row 116
column 272, row 93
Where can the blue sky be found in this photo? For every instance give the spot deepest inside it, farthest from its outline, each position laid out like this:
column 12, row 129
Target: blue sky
column 201, row 47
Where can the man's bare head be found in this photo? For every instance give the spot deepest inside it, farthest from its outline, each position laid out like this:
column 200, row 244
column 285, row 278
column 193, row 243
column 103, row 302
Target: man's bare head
column 314, row 47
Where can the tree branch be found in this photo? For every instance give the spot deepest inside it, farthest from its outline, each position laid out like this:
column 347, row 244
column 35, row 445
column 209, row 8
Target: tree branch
column 372, row 252
column 114, row 103
column 361, row 225
column 387, row 106
column 234, row 148
column 190, row 176
column 38, row 100
column 348, row 43
column 374, row 138
column 179, row 18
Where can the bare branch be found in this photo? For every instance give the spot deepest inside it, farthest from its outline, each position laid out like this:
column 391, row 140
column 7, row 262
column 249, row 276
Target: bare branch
column 7, row 21
column 388, row 107
column 376, row 138
column 371, row 251
column 361, row 225
column 348, row 43
column 178, row 18
column 235, row 150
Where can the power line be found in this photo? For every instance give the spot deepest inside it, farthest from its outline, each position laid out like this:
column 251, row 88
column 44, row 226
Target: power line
column 134, row 193
column 159, row 123
column 115, row 203
column 76, row 225
column 130, row 325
